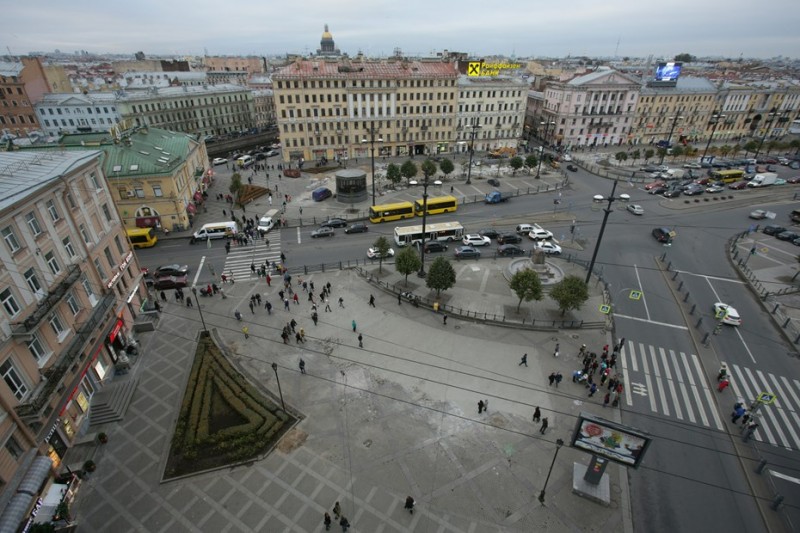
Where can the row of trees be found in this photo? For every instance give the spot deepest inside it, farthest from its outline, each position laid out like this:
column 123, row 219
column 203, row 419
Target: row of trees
column 724, row 150
column 570, row 293
column 409, row 170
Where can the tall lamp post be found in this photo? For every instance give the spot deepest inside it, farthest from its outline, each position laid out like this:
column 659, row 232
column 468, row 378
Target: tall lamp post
column 715, row 118
column 606, row 212
column 669, row 137
column 372, row 140
column 194, row 291
column 424, row 184
column 559, row 444
column 544, row 141
column 475, row 126
column 280, row 392
column 773, row 114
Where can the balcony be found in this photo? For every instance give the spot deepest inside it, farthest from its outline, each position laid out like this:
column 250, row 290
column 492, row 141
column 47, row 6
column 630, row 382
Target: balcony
column 29, row 325
column 31, row 410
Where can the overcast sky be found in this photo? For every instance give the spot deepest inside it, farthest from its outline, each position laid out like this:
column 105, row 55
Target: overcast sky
column 727, row 28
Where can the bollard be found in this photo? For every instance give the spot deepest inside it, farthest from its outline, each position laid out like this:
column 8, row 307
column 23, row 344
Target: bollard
column 691, row 311
column 776, row 502
column 675, row 275
column 705, row 339
column 663, row 256
column 797, row 339
column 686, row 297
column 669, row 266
column 699, row 321
column 775, row 310
column 761, row 465
column 786, row 323
column 680, row 285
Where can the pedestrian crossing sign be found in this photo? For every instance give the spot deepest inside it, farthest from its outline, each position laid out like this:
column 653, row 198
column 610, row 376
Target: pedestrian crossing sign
column 766, row 398
column 635, row 295
column 605, row 309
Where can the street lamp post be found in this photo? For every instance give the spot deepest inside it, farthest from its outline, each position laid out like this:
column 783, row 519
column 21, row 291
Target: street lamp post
column 280, row 392
column 559, row 444
column 544, row 141
column 475, row 126
column 715, row 118
column 194, row 291
column 669, row 137
column 372, row 141
column 425, row 184
column 606, row 212
column 773, row 114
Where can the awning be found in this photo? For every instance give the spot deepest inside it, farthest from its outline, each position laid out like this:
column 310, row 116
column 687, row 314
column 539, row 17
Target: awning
column 20, row 503
column 191, row 209
column 198, row 197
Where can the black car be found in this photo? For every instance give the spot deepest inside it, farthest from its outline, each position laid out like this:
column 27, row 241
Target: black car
column 662, row 235
column 260, row 156
column 322, row 231
column 650, row 168
column 772, row 229
column 489, row 232
column 509, row 238
column 434, row 246
column 787, row 236
column 334, row 223
column 693, row 190
column 510, row 250
column 494, row 182
column 661, row 189
column 572, row 168
column 358, row 227
column 672, row 193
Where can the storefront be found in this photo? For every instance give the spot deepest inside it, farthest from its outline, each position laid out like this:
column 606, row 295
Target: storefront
column 25, row 503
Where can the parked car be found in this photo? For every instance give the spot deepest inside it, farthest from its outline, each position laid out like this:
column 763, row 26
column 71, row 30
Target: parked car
column 219, row 161
column 692, row 165
column 510, row 250
column 662, row 235
column 738, row 186
column 793, row 179
column 693, row 190
column 171, row 270
column 714, row 189
column 672, row 193
column 787, row 236
column 323, row 231
column 334, row 223
column 473, row 239
column 654, row 185
column 548, row 248
column 467, row 252
column 509, row 238
column 372, row 253
column 661, row 189
column 636, row 209
column 572, row 167
column 727, row 314
column 649, row 168
column 489, row 232
column 169, row 282
column 494, row 182
column 434, row 246
column 358, row 227
column 773, row 229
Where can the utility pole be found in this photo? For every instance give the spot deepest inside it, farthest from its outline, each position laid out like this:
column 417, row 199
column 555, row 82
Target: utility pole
column 669, row 137
column 606, row 212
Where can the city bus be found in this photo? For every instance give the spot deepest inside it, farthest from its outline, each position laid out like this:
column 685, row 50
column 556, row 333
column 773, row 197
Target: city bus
column 443, row 231
column 142, row 237
column 389, row 212
column 727, row 176
column 436, row 205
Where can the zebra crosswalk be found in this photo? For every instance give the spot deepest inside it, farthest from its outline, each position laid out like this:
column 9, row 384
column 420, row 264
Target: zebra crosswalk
column 672, row 383
column 239, row 259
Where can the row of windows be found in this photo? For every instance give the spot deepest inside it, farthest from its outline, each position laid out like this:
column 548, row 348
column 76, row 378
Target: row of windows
column 67, row 110
column 138, row 192
column 10, row 90
column 334, row 98
column 188, row 103
column 679, row 98
column 412, row 123
column 81, row 122
column 11, row 119
column 343, row 84
column 14, row 103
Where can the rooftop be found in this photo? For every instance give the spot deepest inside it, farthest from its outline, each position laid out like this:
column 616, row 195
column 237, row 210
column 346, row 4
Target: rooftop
column 365, row 70
column 179, row 92
column 478, row 81
column 9, row 68
column 685, row 85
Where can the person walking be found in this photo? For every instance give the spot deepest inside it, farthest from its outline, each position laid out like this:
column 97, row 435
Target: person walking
column 486, row 404
column 544, row 426
column 606, row 399
column 555, row 352
column 552, row 378
column 354, row 325
column 268, row 307
column 293, row 324
column 252, row 308
column 327, row 306
column 345, row 524
column 592, row 389
column 315, row 317
column 444, row 320
column 326, row 521
column 372, row 300
column 341, row 302
column 163, row 297
column 723, row 384
column 360, row 341
column 559, row 377
column 480, row 406
column 189, row 302
column 296, row 299
column 399, row 299
column 337, row 510
column 524, row 360
column 409, row 504
column 246, row 332
column 269, row 280
column 537, row 415
column 302, row 366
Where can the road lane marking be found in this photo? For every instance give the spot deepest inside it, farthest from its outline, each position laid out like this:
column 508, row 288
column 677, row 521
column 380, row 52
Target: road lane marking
column 716, row 278
column 625, row 377
column 199, row 269
column 739, row 333
column 648, row 379
column 784, row 477
column 670, row 383
column 785, row 413
column 656, row 322
column 742, row 390
column 706, row 392
column 659, row 381
column 641, row 289
column 299, row 236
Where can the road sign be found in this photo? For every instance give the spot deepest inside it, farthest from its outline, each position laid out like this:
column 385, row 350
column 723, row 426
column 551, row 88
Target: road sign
column 605, row 309
column 635, row 295
column 767, row 398
column 673, row 234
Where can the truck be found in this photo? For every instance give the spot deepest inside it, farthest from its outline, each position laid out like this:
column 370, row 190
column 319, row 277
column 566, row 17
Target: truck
column 496, row 197
column 675, row 173
column 763, row 180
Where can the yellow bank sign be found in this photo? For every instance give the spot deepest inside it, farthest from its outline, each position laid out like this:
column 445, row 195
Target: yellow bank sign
column 479, row 68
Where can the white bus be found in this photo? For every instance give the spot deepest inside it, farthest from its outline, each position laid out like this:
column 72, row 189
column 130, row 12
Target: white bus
column 442, row 231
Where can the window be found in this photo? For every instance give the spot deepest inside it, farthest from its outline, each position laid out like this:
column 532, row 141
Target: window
column 106, row 212
column 13, row 379
column 157, row 191
column 36, row 348
column 9, row 303
column 109, row 257
column 73, row 304
column 119, row 245
column 13, row 448
column 57, row 325
column 71, row 201
column 99, row 267
column 11, row 239
column 51, row 208
column 33, row 224
column 87, row 286
column 85, row 234
column 68, row 246
column 33, row 281
column 52, row 262
column 93, row 180
column 139, row 192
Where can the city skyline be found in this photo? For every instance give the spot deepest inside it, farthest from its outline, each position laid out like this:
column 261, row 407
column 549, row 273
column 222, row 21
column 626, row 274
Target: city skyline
column 612, row 28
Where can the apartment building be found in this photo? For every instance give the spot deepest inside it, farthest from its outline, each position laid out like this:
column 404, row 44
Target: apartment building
column 327, row 108
column 70, row 289
column 22, row 83
column 493, row 109
column 61, row 113
column 264, row 105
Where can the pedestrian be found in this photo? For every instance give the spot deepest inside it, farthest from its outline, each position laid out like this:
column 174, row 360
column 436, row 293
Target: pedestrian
column 544, row 426
column 327, row 306
column 268, row 307
column 252, row 267
column 559, row 377
column 723, row 384
column 189, row 302
column 480, row 406
column 302, row 366
column 738, row 413
column 298, row 338
column 327, row 522
column 286, row 304
column 344, row 523
column 246, row 332
column 293, row 324
column 315, row 317
column 606, row 399
column 341, row 302
column 444, row 320
column 592, row 389
column 576, row 376
column 328, row 286
column 360, row 341
column 552, row 378
column 409, row 504
column 311, row 285
column 555, row 353
column 163, row 297
column 399, row 299
column 486, row 404
column 269, row 280
column 296, row 299
column 372, row 300
column 302, row 335
column 537, row 415
column 252, row 308
column 280, row 295
column 524, row 360
column 337, row 510
column 354, row 325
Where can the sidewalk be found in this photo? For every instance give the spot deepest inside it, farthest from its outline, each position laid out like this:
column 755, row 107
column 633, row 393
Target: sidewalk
column 397, row 417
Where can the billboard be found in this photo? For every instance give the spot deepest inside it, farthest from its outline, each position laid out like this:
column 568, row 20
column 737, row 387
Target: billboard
column 668, row 71
column 615, row 442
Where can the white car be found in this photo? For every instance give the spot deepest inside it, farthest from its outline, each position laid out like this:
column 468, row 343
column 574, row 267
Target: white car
column 548, row 248
column 727, row 314
column 692, row 165
column 636, row 209
column 372, row 253
column 219, row 161
column 540, row 234
column 473, row 239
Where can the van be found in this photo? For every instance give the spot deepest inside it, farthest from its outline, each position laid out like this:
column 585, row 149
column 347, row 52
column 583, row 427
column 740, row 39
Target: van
column 266, row 222
column 215, row 230
column 245, row 161
column 321, row 194
column 524, row 228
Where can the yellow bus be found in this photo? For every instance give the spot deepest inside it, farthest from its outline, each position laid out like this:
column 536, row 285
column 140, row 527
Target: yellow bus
column 437, row 204
column 388, row 212
column 727, row 176
column 142, row 237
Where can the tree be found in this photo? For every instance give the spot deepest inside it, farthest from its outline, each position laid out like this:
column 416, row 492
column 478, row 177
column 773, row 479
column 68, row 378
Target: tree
column 751, row 146
column 382, row 247
column 735, row 149
column 441, row 275
column 236, row 185
column 570, row 293
column 636, row 154
column 648, row 154
column 516, row 164
column 407, row 261
column 620, row 157
column 408, row 170
column 446, row 166
column 771, row 146
column 677, row 151
column 530, row 162
column 685, row 58
column 724, row 150
column 428, row 168
column 526, row 285
column 662, row 152
column 795, row 145
column 393, row 173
